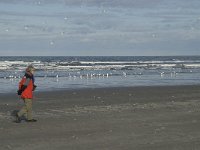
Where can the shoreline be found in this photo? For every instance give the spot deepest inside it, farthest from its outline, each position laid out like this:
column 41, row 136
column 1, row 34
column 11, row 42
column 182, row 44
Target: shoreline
column 99, row 88
column 142, row 118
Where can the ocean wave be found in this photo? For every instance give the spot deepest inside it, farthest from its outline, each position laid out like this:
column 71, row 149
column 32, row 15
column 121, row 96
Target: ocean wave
column 98, row 65
column 73, row 72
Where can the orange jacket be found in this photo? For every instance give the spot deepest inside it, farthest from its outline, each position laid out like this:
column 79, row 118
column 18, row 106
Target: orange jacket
column 27, row 80
column 28, row 92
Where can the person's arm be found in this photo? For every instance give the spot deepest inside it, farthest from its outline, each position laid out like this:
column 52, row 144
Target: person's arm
column 24, row 86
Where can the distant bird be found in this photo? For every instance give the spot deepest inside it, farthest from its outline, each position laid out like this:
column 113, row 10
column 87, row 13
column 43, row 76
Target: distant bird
column 26, row 27
column 162, row 73
column 124, row 74
column 62, row 33
column 51, row 42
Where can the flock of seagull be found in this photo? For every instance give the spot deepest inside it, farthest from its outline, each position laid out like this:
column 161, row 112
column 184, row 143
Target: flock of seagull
column 93, row 75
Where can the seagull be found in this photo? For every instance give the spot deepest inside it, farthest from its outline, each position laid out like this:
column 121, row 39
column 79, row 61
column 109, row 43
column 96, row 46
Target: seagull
column 52, row 43
column 162, row 73
column 124, row 73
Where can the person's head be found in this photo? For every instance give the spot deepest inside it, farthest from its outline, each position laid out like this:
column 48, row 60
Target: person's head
column 30, row 69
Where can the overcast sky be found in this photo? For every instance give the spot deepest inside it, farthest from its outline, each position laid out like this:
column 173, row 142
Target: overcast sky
column 99, row 27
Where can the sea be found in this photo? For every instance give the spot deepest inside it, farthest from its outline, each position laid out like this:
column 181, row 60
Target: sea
column 74, row 72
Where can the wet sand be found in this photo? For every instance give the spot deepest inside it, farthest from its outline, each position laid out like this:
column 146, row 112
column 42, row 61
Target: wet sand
column 134, row 118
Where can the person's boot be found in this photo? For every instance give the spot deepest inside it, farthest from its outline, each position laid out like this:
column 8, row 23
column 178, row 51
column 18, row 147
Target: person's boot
column 32, row 120
column 18, row 119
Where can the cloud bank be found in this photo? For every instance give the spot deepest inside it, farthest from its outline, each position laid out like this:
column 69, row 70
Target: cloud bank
column 99, row 27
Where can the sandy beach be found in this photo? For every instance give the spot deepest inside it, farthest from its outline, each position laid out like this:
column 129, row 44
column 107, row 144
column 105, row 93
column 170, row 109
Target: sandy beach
column 131, row 118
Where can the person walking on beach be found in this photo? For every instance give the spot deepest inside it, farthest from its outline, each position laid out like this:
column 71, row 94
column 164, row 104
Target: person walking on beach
column 26, row 88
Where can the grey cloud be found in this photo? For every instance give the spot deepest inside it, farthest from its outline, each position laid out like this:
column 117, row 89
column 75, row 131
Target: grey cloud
column 114, row 3
column 120, row 3
column 124, row 26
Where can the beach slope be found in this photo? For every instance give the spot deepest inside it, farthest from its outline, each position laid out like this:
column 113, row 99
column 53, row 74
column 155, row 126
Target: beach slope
column 130, row 118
